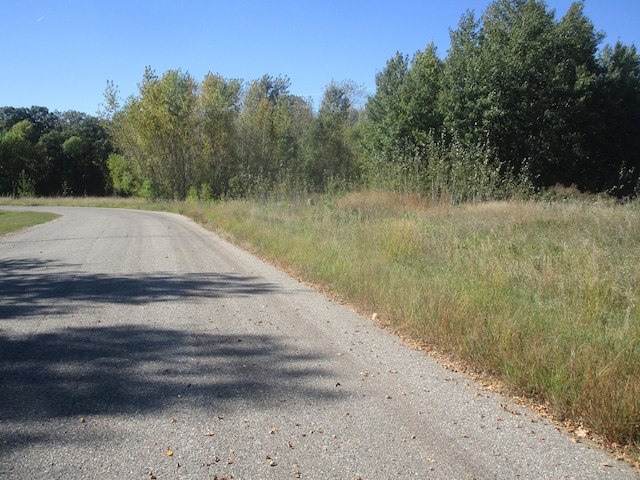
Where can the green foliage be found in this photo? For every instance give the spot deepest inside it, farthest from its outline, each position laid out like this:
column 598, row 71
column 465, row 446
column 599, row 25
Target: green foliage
column 74, row 147
column 26, row 186
column 147, row 190
column 123, row 180
column 18, row 157
column 205, row 193
column 525, row 89
column 238, row 141
column 386, row 133
column 331, row 152
column 157, row 132
column 192, row 195
column 617, row 102
column 57, row 152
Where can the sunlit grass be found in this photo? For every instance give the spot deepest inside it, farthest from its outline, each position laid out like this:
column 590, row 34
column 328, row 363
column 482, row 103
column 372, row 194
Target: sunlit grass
column 11, row 221
column 543, row 295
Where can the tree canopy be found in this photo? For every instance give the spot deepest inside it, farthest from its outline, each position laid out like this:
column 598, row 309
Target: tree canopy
column 521, row 92
column 521, row 101
column 52, row 153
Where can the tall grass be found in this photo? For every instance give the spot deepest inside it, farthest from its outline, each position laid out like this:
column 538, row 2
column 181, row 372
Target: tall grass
column 544, row 295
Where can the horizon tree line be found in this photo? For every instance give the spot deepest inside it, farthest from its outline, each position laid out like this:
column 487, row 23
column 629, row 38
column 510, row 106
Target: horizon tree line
column 521, row 102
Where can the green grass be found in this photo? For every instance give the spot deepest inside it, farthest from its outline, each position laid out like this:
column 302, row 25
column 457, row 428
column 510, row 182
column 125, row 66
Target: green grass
column 544, row 296
column 12, row 221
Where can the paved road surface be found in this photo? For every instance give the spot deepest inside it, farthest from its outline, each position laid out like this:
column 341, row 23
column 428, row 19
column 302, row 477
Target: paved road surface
column 127, row 336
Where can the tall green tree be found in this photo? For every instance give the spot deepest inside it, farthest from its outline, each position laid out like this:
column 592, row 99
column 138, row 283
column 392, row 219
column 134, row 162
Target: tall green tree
column 617, row 111
column 19, row 157
column 158, row 132
column 331, row 156
column 268, row 143
column 387, row 134
column 403, row 118
column 521, row 82
column 220, row 105
column 421, row 95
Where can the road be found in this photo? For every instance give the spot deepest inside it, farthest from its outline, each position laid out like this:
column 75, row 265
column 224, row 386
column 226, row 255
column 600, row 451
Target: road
column 137, row 345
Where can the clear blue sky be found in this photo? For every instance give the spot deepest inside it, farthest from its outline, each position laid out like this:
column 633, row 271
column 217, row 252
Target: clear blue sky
column 60, row 53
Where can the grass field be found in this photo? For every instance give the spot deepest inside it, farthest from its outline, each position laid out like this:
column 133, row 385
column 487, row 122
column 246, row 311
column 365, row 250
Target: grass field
column 543, row 296
column 12, row 221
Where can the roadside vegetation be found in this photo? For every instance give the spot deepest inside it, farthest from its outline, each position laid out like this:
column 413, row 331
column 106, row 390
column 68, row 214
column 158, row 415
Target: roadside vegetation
column 545, row 296
column 484, row 203
column 12, row 221
column 541, row 295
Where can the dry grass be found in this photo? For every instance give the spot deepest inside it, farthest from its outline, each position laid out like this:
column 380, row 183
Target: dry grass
column 543, row 295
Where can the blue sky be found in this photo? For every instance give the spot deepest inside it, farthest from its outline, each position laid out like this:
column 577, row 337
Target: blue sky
column 60, row 53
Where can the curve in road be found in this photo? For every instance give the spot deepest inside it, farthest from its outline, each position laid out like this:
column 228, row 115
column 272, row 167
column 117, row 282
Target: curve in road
column 139, row 345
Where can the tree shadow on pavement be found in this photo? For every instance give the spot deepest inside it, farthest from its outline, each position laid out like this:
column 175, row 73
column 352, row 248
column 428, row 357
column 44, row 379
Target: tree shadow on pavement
column 79, row 372
column 134, row 368
column 31, row 286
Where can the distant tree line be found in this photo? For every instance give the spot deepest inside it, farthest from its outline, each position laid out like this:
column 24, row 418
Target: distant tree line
column 225, row 138
column 522, row 101
column 52, row 153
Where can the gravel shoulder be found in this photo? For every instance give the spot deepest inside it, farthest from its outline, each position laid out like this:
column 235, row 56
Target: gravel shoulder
column 139, row 345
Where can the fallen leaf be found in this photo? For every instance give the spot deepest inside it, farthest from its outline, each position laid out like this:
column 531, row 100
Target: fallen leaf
column 606, row 464
column 169, row 452
column 208, row 434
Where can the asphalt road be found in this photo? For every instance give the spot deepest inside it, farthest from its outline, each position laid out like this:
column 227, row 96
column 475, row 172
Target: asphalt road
column 137, row 345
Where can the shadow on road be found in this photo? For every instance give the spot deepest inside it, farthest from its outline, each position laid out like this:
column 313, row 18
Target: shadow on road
column 101, row 370
column 134, row 368
column 31, row 286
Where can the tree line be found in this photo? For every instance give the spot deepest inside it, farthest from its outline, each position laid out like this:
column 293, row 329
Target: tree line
column 52, row 153
column 522, row 101
column 221, row 137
